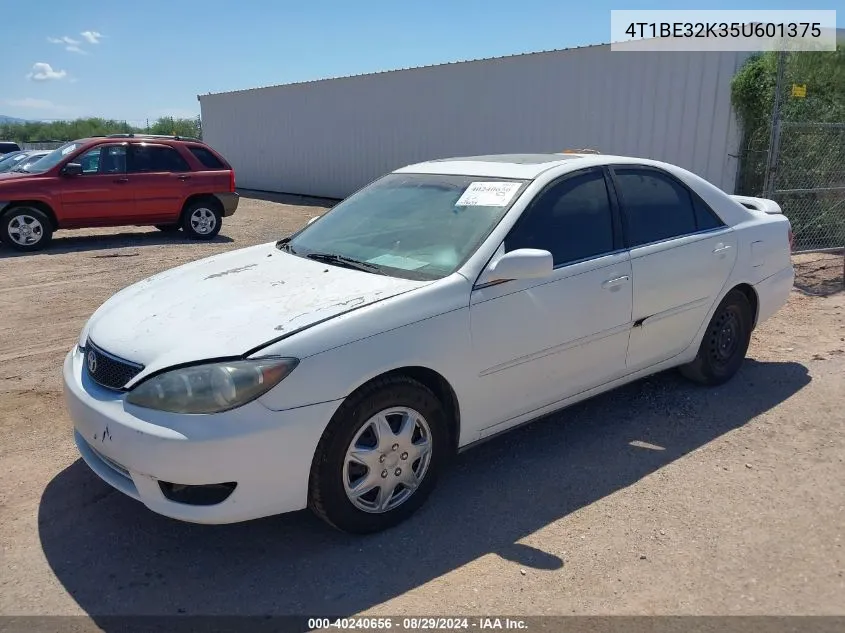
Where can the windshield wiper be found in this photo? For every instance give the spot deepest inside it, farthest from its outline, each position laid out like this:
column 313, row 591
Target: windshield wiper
column 346, row 262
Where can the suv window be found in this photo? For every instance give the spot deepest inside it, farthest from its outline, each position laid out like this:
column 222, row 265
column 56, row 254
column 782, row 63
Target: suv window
column 572, row 219
column 154, row 158
column 656, row 207
column 205, row 157
column 108, row 159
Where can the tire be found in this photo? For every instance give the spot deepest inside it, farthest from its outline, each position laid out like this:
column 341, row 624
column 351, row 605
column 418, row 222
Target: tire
column 352, row 427
column 202, row 219
column 26, row 228
column 725, row 342
column 168, row 228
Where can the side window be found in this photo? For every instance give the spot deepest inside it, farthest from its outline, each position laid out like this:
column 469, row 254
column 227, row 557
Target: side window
column 90, row 161
column 705, row 218
column 655, row 206
column 113, row 160
column 108, row 159
column 157, row 158
column 572, row 219
column 208, row 160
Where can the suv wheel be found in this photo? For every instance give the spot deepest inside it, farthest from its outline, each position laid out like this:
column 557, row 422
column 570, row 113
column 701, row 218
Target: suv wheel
column 202, row 220
column 26, row 228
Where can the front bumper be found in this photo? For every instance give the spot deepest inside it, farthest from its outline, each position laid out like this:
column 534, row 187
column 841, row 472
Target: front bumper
column 229, row 202
column 267, row 453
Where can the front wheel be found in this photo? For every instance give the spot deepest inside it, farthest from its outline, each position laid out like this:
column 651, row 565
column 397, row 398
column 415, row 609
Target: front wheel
column 725, row 342
column 202, row 220
column 380, row 456
column 26, row 228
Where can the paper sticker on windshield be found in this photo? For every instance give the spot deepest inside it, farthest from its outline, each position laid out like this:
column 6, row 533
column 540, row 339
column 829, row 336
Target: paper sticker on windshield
column 488, row 194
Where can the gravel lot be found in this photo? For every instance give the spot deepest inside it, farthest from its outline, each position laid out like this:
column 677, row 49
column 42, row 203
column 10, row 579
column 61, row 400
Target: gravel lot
column 660, row 497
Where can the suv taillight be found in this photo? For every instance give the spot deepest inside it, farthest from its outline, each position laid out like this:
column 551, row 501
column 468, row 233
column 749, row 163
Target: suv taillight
column 232, row 181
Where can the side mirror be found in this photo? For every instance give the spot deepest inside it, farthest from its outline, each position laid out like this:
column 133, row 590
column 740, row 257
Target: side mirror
column 312, row 220
column 72, row 169
column 523, row 263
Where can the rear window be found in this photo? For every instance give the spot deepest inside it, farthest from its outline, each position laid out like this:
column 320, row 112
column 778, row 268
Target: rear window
column 207, row 159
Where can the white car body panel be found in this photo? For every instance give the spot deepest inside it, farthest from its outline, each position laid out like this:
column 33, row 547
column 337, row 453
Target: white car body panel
column 509, row 352
column 230, row 304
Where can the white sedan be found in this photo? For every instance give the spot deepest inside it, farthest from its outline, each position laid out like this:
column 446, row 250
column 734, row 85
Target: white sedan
column 340, row 368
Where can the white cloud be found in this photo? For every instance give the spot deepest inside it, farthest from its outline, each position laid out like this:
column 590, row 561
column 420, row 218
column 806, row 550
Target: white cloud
column 33, row 104
column 92, row 37
column 42, row 71
column 69, row 43
column 63, row 40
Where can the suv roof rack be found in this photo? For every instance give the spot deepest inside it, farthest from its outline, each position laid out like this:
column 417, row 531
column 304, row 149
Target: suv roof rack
column 167, row 136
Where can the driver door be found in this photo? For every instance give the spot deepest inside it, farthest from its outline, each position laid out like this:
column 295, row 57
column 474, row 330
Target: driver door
column 538, row 341
column 101, row 195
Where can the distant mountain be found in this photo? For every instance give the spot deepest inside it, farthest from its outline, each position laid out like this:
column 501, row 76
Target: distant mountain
column 11, row 119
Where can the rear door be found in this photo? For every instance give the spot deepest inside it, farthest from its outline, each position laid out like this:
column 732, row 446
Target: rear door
column 681, row 257
column 101, row 195
column 161, row 180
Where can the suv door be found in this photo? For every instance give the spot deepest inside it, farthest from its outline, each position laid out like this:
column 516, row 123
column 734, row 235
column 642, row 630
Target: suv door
column 681, row 255
column 160, row 182
column 101, row 195
column 536, row 342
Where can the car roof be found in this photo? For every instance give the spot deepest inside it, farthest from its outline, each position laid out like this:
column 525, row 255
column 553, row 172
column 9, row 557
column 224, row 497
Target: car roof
column 519, row 166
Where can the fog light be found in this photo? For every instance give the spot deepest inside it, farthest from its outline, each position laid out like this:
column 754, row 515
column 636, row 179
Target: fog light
column 205, row 495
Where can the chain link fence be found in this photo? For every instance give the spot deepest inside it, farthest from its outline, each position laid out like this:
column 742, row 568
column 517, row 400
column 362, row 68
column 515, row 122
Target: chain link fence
column 808, row 182
column 44, row 145
column 793, row 152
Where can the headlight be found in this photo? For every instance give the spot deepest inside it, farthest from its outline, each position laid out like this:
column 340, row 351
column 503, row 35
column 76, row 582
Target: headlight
column 211, row 388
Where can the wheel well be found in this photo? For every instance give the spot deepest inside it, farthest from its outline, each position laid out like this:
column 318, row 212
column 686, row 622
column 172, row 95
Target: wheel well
column 441, row 388
column 751, row 295
column 41, row 206
column 206, row 197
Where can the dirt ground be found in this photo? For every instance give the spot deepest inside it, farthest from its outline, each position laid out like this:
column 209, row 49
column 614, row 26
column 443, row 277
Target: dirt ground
column 658, row 498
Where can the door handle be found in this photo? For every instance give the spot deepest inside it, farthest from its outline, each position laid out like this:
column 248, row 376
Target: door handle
column 121, row 181
column 721, row 248
column 618, row 281
column 184, row 177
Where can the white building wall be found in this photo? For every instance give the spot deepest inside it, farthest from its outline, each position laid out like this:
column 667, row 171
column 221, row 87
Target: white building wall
column 330, row 137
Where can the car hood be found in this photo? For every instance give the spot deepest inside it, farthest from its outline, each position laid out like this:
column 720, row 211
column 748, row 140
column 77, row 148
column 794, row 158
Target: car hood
column 13, row 175
column 229, row 304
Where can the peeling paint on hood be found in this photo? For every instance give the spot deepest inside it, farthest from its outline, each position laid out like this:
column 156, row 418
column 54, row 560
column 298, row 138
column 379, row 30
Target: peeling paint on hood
column 229, row 304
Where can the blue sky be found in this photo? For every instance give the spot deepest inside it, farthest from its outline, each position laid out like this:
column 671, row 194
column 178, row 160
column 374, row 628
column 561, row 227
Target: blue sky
column 148, row 59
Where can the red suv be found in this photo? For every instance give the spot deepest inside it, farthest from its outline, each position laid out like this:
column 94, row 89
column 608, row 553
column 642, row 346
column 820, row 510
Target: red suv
column 170, row 182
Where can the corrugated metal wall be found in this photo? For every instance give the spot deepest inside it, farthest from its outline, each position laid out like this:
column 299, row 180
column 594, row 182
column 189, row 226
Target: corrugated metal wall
column 328, row 138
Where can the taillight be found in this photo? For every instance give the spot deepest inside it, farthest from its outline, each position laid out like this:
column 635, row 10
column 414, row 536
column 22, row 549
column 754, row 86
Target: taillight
column 232, row 189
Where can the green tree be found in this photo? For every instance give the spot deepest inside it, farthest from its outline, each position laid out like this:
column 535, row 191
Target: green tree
column 81, row 128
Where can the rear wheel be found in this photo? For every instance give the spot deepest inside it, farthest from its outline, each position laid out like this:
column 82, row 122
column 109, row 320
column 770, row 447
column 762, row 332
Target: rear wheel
column 26, row 228
column 380, row 456
column 202, row 219
column 725, row 342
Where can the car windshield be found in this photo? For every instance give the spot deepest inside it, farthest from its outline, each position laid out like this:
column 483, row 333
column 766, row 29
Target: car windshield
column 8, row 161
column 53, row 158
column 29, row 163
column 415, row 226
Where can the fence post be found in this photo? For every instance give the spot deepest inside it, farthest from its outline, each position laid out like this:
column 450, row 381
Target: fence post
column 774, row 137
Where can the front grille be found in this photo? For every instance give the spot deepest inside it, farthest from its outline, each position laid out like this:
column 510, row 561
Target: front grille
column 108, row 370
